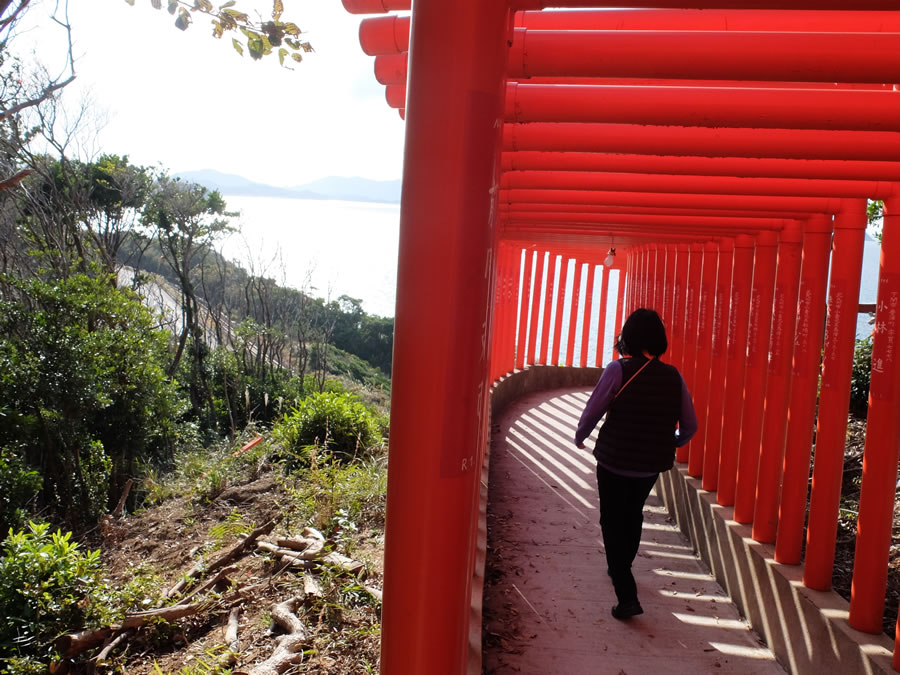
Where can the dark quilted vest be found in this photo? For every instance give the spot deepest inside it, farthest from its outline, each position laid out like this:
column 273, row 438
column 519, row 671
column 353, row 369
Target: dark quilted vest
column 639, row 432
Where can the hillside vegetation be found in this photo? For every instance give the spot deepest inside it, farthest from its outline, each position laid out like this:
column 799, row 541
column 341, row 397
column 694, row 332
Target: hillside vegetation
column 135, row 364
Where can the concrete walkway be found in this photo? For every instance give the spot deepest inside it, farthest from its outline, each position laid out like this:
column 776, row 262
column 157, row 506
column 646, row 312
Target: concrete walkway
column 547, row 597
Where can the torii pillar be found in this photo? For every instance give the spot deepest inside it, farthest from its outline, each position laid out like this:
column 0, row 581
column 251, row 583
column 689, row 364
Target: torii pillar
column 446, row 266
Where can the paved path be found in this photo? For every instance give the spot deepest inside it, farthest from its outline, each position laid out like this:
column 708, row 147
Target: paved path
column 547, row 597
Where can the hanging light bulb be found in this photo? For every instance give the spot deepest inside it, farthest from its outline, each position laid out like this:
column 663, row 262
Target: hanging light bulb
column 610, row 258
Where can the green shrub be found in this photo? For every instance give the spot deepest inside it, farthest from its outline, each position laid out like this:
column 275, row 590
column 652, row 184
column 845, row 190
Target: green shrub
column 18, row 486
column 859, row 378
column 47, row 586
column 329, row 424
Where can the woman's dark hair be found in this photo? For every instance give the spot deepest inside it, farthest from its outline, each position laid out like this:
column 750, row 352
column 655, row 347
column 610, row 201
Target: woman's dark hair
column 643, row 331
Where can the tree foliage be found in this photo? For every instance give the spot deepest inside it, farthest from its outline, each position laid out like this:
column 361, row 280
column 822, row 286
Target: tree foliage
column 259, row 37
column 82, row 377
column 875, row 214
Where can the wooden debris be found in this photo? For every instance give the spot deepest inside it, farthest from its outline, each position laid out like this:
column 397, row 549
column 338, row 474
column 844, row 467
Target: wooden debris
column 107, row 650
column 231, row 630
column 222, row 574
column 229, row 658
column 223, row 560
column 288, row 649
column 295, row 561
column 269, row 547
column 345, row 564
column 311, row 586
column 311, row 544
column 72, row 644
column 374, row 592
column 288, row 550
column 120, row 507
column 286, row 555
column 308, row 549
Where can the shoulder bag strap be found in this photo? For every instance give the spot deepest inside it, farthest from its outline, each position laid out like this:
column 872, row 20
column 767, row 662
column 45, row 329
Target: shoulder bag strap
column 622, row 388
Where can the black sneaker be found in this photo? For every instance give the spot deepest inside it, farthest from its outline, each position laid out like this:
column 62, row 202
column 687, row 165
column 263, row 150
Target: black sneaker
column 626, row 610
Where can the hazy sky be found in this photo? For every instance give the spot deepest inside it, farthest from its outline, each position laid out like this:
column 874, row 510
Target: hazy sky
column 188, row 101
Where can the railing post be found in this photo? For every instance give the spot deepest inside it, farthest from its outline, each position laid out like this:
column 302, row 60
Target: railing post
column 669, row 288
column 531, row 356
column 879, row 480
column 804, row 388
column 601, row 319
column 514, row 260
column 559, row 354
column 633, row 273
column 755, row 380
column 742, row 271
column 573, row 313
column 778, row 390
column 700, row 392
column 544, row 356
column 524, row 305
column 586, row 320
column 834, row 399
column 497, row 313
column 689, row 332
column 677, row 329
column 644, row 277
column 629, row 268
column 440, row 374
column 659, row 272
column 620, row 305
column 716, row 394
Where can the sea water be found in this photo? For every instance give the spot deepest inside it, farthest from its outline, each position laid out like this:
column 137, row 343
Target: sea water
column 333, row 248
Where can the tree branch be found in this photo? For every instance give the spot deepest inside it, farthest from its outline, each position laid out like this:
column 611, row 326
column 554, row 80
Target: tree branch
column 47, row 93
column 15, row 179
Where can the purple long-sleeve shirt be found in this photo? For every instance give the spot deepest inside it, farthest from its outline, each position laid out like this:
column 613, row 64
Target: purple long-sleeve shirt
column 610, row 382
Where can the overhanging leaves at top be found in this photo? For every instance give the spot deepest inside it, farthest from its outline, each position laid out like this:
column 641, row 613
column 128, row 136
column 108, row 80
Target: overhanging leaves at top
column 260, row 37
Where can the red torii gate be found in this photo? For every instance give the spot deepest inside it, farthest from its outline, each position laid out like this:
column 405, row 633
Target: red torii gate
column 720, row 151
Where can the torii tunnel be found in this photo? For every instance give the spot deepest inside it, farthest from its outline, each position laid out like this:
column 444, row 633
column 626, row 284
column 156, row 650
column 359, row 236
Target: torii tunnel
column 726, row 151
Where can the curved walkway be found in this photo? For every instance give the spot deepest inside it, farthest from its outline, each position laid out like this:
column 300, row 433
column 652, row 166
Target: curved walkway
column 547, row 597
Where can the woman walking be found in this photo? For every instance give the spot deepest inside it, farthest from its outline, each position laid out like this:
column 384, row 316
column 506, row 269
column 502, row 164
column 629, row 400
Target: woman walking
column 649, row 413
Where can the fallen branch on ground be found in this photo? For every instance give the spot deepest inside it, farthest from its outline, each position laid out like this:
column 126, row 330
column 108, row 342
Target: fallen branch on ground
column 72, row 644
column 312, row 587
column 345, row 564
column 288, row 649
column 311, row 544
column 117, row 512
column 229, row 658
column 222, row 573
column 107, row 650
column 311, row 555
column 223, row 560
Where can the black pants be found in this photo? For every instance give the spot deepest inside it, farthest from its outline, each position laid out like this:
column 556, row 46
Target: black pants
column 621, row 519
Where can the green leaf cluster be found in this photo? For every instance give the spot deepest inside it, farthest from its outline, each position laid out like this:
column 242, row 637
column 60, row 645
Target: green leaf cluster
column 19, row 485
column 48, row 585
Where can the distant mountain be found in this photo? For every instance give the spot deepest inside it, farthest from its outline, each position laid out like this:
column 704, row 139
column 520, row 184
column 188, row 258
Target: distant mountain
column 355, row 189
column 333, row 187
